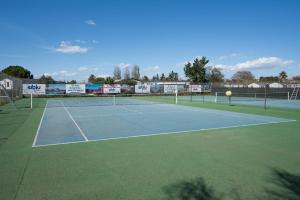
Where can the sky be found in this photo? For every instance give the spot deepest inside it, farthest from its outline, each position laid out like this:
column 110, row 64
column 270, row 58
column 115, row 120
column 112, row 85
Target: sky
column 73, row 39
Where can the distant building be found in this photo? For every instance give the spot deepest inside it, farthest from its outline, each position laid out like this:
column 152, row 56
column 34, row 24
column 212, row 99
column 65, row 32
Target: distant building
column 254, row 85
column 7, row 83
column 276, row 85
column 234, row 85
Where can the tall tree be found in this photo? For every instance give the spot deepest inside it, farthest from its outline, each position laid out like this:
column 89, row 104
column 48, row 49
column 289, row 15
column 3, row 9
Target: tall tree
column 265, row 79
column 72, row 82
column 135, row 72
column 243, row 77
column 282, row 76
column 162, row 77
column 173, row 76
column 126, row 74
column 109, row 80
column 99, row 80
column 117, row 73
column 18, row 71
column 145, row 78
column 215, row 75
column 154, row 78
column 46, row 79
column 92, row 78
column 196, row 72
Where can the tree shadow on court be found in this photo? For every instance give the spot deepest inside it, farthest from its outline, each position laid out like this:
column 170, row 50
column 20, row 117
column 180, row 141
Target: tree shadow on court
column 196, row 189
column 285, row 185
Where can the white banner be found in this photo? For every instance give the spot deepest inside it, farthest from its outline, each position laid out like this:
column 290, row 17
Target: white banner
column 143, row 88
column 196, row 88
column 170, row 89
column 75, row 88
column 34, row 89
column 112, row 89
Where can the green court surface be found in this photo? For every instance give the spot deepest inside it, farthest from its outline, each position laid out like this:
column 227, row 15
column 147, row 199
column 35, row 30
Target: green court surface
column 250, row 162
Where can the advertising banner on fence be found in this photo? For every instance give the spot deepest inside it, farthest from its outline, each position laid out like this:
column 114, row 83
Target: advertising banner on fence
column 94, row 88
column 56, row 89
column 182, row 88
column 196, row 88
column 112, row 89
column 34, row 89
column 75, row 88
column 142, row 88
column 127, row 89
column 156, row 88
column 170, row 89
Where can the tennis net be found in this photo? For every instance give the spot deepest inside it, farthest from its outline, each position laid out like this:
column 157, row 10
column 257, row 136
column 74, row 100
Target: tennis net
column 221, row 96
column 105, row 100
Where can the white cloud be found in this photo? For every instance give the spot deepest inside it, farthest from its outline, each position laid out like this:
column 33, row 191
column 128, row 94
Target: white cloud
column 123, row 65
column 90, row 22
column 259, row 63
column 222, row 57
column 103, row 75
column 86, row 41
column 220, row 66
column 61, row 74
column 83, row 69
column 81, row 41
column 80, row 71
column 87, row 69
column 68, row 48
column 262, row 63
column 232, row 55
column 150, row 71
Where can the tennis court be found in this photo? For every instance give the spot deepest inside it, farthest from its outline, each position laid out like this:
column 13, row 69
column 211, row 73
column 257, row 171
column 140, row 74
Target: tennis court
column 248, row 100
column 91, row 119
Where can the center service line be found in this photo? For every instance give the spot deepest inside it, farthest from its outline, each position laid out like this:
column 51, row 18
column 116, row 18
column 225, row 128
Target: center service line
column 81, row 132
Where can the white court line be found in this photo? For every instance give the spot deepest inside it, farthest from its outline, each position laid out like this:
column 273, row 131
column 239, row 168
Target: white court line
column 81, row 132
column 166, row 133
column 40, row 124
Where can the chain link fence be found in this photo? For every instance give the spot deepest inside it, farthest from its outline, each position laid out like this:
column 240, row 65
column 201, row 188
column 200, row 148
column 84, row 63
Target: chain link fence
column 10, row 88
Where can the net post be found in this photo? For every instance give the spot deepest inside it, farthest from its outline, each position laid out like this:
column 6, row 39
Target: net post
column 288, row 95
column 176, row 96
column 30, row 100
column 216, row 96
column 265, row 103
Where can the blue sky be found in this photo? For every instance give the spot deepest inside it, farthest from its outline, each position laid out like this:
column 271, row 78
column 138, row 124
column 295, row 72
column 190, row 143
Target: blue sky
column 72, row 39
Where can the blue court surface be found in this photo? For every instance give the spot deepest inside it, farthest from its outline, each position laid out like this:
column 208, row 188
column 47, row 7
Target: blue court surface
column 271, row 102
column 64, row 123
